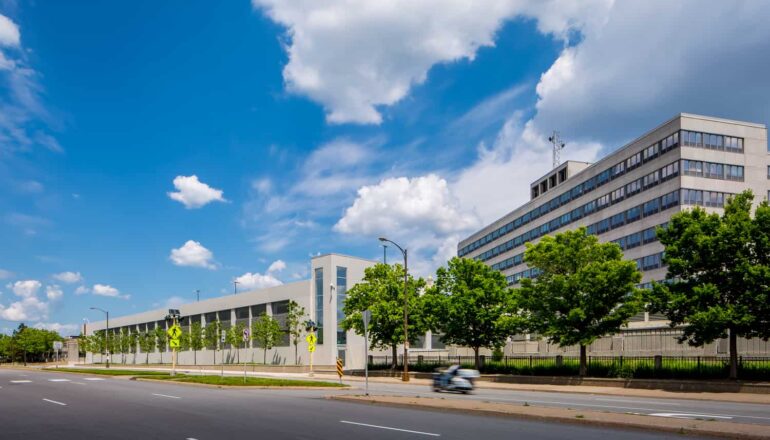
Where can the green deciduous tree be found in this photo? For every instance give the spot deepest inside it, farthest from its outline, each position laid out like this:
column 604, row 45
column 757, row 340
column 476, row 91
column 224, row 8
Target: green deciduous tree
column 295, row 324
column 235, row 339
column 382, row 293
column 584, row 290
column 719, row 272
column 471, row 305
column 212, row 337
column 147, row 344
column 266, row 331
column 196, row 340
column 160, row 340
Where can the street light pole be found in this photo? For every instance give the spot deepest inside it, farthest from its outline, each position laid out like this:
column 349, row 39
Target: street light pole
column 198, row 295
column 106, row 333
column 405, row 374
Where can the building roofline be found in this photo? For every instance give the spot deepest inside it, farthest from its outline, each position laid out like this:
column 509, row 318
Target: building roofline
column 336, row 254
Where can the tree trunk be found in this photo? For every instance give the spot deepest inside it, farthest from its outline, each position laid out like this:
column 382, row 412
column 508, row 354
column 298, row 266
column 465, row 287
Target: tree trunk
column 296, row 359
column 195, row 357
column 394, row 365
column 733, row 355
column 264, row 356
column 583, row 361
column 476, row 359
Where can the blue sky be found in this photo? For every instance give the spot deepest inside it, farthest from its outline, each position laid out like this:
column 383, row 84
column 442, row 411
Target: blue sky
column 314, row 128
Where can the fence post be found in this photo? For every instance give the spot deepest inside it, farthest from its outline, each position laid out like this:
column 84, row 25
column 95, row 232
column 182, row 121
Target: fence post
column 559, row 361
column 420, row 358
column 658, row 362
column 698, row 366
column 621, row 361
column 530, row 361
column 371, row 360
column 482, row 360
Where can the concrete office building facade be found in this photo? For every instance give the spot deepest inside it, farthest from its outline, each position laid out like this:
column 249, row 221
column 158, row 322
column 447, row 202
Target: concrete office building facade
column 690, row 160
column 322, row 296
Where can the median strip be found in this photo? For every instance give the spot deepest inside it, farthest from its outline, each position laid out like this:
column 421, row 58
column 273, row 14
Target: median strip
column 703, row 427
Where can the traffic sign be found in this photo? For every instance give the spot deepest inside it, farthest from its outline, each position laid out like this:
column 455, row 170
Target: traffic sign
column 57, row 345
column 311, row 338
column 174, row 332
column 246, row 335
column 339, row 368
column 223, row 336
column 173, row 343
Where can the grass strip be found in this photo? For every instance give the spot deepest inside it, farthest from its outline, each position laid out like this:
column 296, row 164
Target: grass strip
column 249, row 381
column 108, row 372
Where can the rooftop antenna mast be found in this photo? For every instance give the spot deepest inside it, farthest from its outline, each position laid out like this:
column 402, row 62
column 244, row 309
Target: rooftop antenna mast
column 558, row 145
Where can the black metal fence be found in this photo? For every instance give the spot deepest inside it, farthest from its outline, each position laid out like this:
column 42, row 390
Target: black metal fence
column 652, row 367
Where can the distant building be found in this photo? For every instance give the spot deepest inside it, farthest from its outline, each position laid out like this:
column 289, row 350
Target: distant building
column 322, row 296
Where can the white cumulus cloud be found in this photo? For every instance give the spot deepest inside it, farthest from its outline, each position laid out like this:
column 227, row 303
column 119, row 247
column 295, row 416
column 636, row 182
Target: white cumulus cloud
column 26, row 288
column 108, row 291
column 257, row 280
column 27, row 309
column 68, row 277
column 82, row 290
column 193, row 193
column 193, row 254
column 276, row 266
column 53, row 292
column 355, row 57
column 400, row 205
column 9, row 32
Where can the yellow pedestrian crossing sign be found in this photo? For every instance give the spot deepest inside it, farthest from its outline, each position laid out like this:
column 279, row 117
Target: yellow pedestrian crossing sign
column 173, row 343
column 310, row 338
column 174, row 332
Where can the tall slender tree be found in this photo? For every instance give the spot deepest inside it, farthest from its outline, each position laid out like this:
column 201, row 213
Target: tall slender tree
column 295, row 324
column 266, row 331
column 196, row 340
column 584, row 290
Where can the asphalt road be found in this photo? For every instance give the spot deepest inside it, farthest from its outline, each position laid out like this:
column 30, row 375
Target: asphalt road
column 45, row 405
column 678, row 408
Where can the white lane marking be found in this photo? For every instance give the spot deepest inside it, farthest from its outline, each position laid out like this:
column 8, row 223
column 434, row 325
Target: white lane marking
column 690, row 416
column 166, row 395
column 53, row 401
column 21, row 381
column 77, row 383
column 391, row 429
column 190, row 438
column 94, row 378
column 636, row 401
column 58, row 380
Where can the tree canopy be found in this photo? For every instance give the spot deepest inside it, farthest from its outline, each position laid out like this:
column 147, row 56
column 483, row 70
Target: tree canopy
column 266, row 331
column 718, row 274
column 382, row 293
column 471, row 305
column 584, row 290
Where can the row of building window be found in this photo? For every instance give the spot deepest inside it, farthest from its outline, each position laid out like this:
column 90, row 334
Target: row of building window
column 649, row 262
column 712, row 170
column 669, row 171
column 653, row 151
column 699, row 197
column 688, row 138
column 712, row 141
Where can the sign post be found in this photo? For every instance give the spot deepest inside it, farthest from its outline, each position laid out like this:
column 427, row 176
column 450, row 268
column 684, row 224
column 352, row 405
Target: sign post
column 311, row 339
column 367, row 315
column 246, row 337
column 57, row 345
column 174, row 333
column 222, row 339
column 339, row 368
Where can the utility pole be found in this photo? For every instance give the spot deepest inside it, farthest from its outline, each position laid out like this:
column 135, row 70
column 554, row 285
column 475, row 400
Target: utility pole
column 235, row 287
column 558, row 145
column 384, row 254
column 198, row 294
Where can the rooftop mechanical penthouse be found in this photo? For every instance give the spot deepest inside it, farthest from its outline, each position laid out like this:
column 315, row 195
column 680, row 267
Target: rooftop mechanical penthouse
column 687, row 161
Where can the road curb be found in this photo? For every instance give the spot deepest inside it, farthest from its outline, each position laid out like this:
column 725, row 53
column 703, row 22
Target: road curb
column 237, row 387
column 730, row 430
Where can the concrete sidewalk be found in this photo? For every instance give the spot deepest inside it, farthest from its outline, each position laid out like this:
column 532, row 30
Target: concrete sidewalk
column 576, row 389
column 623, row 421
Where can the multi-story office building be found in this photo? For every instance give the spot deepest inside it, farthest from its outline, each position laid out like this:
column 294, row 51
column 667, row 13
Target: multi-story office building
column 687, row 161
column 322, row 297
